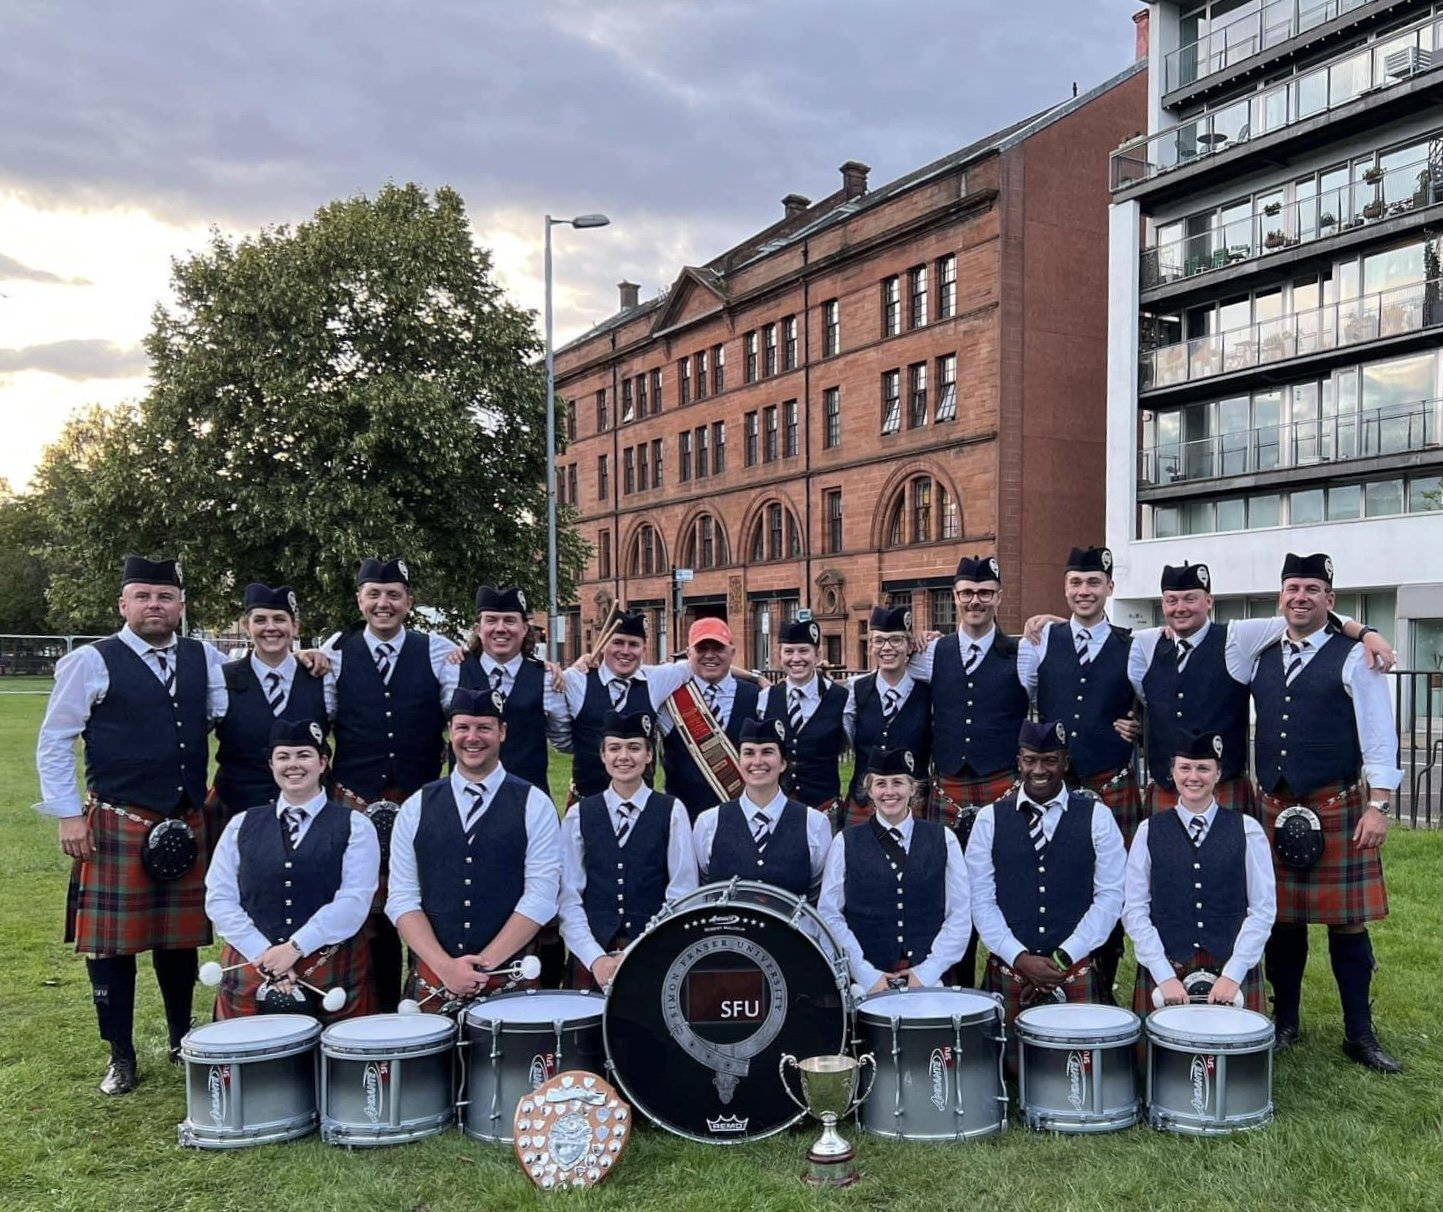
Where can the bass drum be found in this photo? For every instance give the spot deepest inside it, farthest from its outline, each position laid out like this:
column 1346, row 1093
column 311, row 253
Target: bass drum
column 705, row 1003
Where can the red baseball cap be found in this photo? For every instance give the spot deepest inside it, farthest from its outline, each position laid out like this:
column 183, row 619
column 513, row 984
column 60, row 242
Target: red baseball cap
column 709, row 629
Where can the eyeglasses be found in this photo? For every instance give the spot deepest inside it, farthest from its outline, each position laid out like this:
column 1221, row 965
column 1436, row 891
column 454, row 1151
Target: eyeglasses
column 889, row 641
column 981, row 595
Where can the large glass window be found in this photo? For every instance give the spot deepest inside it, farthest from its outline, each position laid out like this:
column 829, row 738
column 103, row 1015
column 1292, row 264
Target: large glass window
column 1306, row 507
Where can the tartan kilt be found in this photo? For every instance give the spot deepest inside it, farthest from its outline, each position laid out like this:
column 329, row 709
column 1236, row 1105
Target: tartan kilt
column 950, row 796
column 1121, row 792
column 1254, row 996
column 1231, row 793
column 348, row 966
column 1345, row 887
column 114, row 908
column 1078, row 985
column 217, row 816
column 353, row 801
column 422, row 982
column 581, row 978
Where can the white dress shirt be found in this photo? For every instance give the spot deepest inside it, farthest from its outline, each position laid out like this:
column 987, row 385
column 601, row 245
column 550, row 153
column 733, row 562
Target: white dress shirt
column 951, row 941
column 447, row 674
column 286, row 671
column 1107, row 879
column 819, row 831
column 920, row 665
column 553, row 703
column 334, row 922
column 81, row 681
column 811, row 698
column 680, row 867
column 660, row 681
column 542, row 883
column 903, row 688
column 1030, row 656
column 725, row 699
column 1262, row 901
column 1245, row 640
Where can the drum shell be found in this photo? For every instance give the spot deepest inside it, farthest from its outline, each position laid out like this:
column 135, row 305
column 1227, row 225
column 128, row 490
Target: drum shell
column 939, row 1078
column 387, row 1091
column 250, row 1092
column 507, row 1059
column 1207, row 1083
column 1080, row 1081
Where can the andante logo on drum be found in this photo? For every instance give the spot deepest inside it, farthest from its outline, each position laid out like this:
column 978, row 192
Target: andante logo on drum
column 543, row 1066
column 374, row 1081
column 1204, row 1066
column 218, row 1086
column 723, row 919
column 937, row 1070
column 1079, row 1066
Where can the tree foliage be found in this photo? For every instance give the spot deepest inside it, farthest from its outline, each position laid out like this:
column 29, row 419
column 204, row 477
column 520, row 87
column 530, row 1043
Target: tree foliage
column 22, row 573
column 356, row 385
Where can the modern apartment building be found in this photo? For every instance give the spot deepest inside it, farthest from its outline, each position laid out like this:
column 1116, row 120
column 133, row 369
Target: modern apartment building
column 1275, row 380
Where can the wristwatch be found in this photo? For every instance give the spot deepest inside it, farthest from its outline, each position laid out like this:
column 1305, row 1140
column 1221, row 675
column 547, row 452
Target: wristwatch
column 1382, row 806
column 299, row 953
column 1364, row 631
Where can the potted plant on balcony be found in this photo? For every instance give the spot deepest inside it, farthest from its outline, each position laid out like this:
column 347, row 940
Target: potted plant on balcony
column 1274, row 347
column 1422, row 195
column 1373, row 175
column 1275, row 239
column 1327, row 219
column 1272, row 208
column 1374, row 209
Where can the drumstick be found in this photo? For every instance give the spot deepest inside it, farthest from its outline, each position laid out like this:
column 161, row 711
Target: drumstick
column 528, row 968
column 211, row 972
column 331, row 999
column 608, row 629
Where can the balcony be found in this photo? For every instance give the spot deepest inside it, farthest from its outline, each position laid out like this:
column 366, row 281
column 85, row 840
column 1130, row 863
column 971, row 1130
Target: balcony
column 1399, row 312
column 1318, row 443
column 1380, row 195
column 1385, row 67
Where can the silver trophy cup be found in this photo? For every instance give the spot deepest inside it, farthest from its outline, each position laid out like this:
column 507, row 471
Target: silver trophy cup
column 829, row 1092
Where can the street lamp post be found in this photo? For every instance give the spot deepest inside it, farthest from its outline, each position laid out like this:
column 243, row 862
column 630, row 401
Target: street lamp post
column 553, row 620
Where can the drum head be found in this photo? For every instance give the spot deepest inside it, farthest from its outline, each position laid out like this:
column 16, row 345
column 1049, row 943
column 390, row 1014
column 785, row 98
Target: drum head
column 390, row 1030
column 1078, row 1022
column 929, row 1005
column 256, row 1033
column 1209, row 1027
column 702, row 1009
column 545, row 1006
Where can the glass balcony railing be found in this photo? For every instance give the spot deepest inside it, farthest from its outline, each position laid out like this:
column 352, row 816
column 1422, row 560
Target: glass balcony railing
column 1389, row 313
column 1379, row 195
column 1378, row 65
column 1397, row 429
column 1231, row 44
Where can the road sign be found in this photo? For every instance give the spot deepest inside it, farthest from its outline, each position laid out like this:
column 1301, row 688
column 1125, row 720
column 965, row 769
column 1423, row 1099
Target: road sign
column 681, row 575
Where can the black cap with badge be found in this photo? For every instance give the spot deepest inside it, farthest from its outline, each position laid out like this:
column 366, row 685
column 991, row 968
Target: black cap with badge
column 506, row 600
column 374, row 571
column 978, row 568
column 1317, row 567
column 483, row 702
column 267, row 597
column 633, row 624
column 1199, row 747
column 1090, row 559
column 795, row 631
column 1042, row 736
column 631, row 726
column 1186, row 576
column 890, row 619
column 764, row 732
column 140, row 571
column 297, row 734
column 892, row 761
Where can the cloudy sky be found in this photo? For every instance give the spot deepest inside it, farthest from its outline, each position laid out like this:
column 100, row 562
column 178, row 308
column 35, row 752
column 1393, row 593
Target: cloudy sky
column 128, row 129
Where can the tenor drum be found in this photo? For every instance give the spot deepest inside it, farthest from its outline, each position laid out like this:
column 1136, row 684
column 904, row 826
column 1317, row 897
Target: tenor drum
column 707, row 1000
column 1077, row 1067
column 1209, row 1070
column 515, row 1041
column 249, row 1081
column 387, row 1079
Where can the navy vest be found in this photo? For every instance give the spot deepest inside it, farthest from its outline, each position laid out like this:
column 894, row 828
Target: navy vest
column 813, row 753
column 281, row 889
column 625, row 885
column 786, row 862
column 1203, row 698
column 142, row 746
column 910, row 728
column 469, row 890
column 887, row 934
column 1207, row 885
column 243, row 760
column 976, row 717
column 683, row 779
column 1307, row 734
column 524, row 751
column 587, row 772
column 387, row 734
column 1088, row 698
column 1065, row 869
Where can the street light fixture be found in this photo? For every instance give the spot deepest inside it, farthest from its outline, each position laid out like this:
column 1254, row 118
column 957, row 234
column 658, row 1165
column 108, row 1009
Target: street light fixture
column 553, row 644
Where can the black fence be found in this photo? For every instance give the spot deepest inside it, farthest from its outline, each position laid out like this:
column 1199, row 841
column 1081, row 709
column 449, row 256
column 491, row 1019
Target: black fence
column 1417, row 699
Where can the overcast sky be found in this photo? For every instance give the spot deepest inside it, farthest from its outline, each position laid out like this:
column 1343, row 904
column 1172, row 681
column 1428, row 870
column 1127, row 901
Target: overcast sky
column 128, row 129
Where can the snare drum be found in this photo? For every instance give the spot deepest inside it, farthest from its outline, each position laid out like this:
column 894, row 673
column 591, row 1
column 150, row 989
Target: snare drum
column 1209, row 1070
column 1077, row 1067
column 704, row 1004
column 249, row 1081
column 387, row 1079
column 515, row 1041
column 939, row 1064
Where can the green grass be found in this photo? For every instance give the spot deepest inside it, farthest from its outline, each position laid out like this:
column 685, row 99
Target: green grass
column 1344, row 1138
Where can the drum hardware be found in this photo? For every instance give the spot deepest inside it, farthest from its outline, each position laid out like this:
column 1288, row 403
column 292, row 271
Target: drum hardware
column 1209, row 1070
column 527, row 968
column 387, row 1079
column 1077, row 1067
column 1198, row 985
column 829, row 1093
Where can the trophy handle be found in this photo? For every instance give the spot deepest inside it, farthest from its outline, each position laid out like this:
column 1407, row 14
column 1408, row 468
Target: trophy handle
column 788, row 1059
column 867, row 1058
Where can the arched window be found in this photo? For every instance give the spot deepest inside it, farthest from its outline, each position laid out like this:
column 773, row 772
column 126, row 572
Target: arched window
column 648, row 557
column 922, row 511
column 776, row 535
column 705, row 545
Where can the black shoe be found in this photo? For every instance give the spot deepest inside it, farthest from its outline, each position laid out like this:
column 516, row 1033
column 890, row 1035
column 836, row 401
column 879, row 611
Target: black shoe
column 119, row 1077
column 1285, row 1035
column 1367, row 1051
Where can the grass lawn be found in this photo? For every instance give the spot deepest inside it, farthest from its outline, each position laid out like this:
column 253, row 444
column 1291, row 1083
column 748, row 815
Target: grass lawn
column 1344, row 1138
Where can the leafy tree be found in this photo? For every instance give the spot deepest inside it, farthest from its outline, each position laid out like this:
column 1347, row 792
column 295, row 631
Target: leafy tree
column 356, row 385
column 22, row 574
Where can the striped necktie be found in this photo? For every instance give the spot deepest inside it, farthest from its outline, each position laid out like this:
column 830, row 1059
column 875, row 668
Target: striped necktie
column 761, row 830
column 1295, row 665
column 498, row 677
column 710, row 694
column 1034, row 827
column 1184, row 650
column 295, row 818
column 794, row 709
column 1084, row 646
column 384, row 652
column 275, row 695
column 896, row 835
column 1198, row 826
column 890, row 701
column 620, row 688
column 974, row 657
column 623, row 825
column 478, row 802
column 167, row 672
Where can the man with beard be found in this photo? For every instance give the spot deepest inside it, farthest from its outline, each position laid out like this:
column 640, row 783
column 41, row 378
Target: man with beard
column 811, row 706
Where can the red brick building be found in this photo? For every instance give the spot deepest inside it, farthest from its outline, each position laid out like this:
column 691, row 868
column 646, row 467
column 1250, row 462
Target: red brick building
column 828, row 414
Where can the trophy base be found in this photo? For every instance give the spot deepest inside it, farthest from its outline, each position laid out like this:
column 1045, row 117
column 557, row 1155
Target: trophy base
column 830, row 1170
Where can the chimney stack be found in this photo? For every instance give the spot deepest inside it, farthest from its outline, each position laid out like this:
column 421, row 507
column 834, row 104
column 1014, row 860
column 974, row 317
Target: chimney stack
column 630, row 295
column 854, row 179
column 794, row 204
column 1143, row 22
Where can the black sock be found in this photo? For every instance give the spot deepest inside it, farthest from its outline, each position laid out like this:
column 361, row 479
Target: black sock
column 1352, row 956
column 385, row 946
column 1287, row 957
column 176, row 970
column 112, row 989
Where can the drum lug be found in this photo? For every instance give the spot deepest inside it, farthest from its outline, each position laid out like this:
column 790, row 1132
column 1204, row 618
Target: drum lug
column 897, row 1077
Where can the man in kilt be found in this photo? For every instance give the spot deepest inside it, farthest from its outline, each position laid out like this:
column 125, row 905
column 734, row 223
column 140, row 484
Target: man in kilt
column 1325, row 742
column 625, row 852
column 475, row 863
column 388, row 687
column 887, row 709
column 1045, row 869
column 618, row 684
column 140, row 700
column 811, row 706
column 289, row 888
column 1200, row 894
column 260, row 688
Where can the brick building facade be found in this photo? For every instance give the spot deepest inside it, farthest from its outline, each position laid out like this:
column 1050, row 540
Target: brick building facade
column 826, row 415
